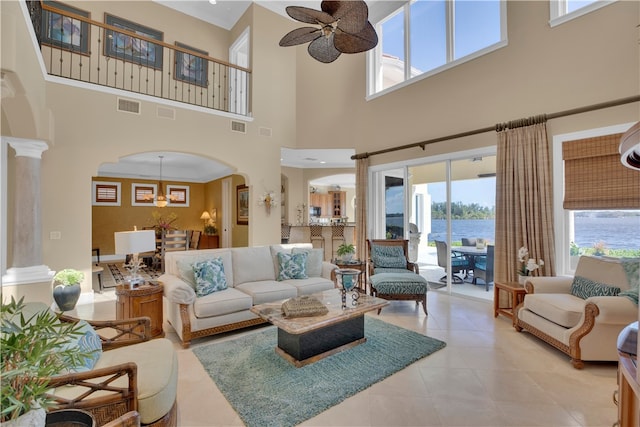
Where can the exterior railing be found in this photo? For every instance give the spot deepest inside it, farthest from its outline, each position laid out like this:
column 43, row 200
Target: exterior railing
column 112, row 55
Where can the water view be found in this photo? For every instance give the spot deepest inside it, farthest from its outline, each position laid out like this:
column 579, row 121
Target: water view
column 616, row 233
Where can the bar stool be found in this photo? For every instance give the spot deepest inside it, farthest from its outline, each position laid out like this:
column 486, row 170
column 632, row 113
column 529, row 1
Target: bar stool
column 337, row 235
column 316, row 234
column 285, row 233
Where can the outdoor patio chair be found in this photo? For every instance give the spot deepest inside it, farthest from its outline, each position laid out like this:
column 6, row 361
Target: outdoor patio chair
column 459, row 262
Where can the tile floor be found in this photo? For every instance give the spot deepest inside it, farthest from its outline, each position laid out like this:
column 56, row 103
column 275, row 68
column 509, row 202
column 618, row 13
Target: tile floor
column 488, row 375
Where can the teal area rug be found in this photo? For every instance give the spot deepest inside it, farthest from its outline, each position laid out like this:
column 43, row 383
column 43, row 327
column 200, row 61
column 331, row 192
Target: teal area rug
column 265, row 390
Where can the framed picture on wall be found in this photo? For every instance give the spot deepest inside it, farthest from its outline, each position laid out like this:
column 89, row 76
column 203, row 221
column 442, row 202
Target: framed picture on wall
column 242, row 211
column 190, row 68
column 131, row 49
column 65, row 32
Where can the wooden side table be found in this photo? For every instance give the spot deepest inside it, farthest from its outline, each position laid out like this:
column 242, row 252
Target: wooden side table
column 357, row 265
column 144, row 300
column 515, row 292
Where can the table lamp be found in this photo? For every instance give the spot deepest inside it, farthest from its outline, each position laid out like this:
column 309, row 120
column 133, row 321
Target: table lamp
column 134, row 242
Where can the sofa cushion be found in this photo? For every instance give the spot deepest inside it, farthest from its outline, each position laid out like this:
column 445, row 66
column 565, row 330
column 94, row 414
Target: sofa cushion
column 292, row 266
column 184, row 265
column 388, row 256
column 224, row 302
column 314, row 260
column 312, row 285
column 252, row 264
column 399, row 283
column 157, row 375
column 585, row 288
column 209, row 276
column 603, row 270
column 268, row 291
column 88, row 341
column 562, row 309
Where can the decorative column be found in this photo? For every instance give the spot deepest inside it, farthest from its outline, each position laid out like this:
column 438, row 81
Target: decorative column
column 26, row 265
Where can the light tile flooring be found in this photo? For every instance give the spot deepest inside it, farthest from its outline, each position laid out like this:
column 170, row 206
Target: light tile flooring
column 488, row 375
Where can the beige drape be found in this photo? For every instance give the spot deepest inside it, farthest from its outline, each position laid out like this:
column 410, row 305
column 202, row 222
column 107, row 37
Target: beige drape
column 362, row 166
column 524, row 198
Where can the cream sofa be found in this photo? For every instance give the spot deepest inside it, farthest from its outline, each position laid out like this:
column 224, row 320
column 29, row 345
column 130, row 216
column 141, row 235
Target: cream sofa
column 251, row 276
column 586, row 328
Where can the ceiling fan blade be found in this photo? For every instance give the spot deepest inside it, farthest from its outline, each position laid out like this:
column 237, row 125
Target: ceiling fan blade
column 300, row 36
column 309, row 16
column 323, row 50
column 355, row 43
column 352, row 16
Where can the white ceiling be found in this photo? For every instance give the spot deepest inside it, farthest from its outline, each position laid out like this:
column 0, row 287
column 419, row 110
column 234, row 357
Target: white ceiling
column 190, row 168
column 225, row 13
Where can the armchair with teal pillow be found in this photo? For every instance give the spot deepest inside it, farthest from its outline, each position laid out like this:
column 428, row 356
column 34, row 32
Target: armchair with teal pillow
column 392, row 276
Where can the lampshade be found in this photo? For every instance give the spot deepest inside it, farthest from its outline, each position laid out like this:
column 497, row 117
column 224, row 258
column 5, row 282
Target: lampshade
column 205, row 216
column 133, row 242
column 630, row 147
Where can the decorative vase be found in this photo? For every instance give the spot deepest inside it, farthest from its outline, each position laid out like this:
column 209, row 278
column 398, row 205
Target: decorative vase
column 66, row 296
column 70, row 417
column 521, row 279
column 34, row 418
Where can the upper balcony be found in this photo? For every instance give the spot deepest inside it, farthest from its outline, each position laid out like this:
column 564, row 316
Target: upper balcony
column 123, row 55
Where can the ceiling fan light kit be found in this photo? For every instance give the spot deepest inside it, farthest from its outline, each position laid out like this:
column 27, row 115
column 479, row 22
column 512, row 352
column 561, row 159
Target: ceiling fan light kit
column 342, row 27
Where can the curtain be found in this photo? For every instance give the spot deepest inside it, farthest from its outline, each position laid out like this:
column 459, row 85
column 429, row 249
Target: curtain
column 524, row 198
column 362, row 166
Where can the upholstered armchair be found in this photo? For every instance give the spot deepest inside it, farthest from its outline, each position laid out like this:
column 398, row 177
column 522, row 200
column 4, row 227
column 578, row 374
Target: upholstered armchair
column 392, row 276
column 133, row 380
column 582, row 315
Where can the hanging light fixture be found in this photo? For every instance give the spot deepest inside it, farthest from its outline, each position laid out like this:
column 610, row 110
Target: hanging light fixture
column 161, row 199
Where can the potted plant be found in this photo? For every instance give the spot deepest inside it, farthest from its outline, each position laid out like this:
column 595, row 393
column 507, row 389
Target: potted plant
column 345, row 251
column 210, row 230
column 33, row 348
column 66, row 288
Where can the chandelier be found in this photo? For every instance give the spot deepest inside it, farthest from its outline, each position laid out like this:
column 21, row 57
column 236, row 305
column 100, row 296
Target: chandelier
column 161, row 199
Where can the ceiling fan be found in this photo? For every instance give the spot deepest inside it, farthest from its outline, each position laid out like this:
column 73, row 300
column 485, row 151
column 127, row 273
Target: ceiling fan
column 343, row 27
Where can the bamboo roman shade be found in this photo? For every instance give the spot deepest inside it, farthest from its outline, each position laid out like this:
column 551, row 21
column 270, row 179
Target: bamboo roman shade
column 594, row 177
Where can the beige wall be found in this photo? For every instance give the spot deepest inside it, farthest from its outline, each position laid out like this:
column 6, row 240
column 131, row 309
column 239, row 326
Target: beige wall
column 307, row 104
column 542, row 70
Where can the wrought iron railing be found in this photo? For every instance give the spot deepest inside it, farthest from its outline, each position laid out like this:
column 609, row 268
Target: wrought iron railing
column 127, row 58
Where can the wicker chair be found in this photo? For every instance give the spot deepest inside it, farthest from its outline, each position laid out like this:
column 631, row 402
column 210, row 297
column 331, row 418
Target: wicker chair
column 98, row 392
column 396, row 282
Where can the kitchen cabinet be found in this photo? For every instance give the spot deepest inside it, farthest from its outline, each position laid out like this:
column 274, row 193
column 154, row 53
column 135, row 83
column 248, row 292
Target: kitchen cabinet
column 338, row 201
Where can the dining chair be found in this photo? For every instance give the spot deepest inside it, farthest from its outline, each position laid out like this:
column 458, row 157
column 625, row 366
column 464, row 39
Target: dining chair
column 483, row 268
column 459, row 263
column 172, row 241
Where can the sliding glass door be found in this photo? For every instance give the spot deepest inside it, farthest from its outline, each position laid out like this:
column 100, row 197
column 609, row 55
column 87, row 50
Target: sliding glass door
column 445, row 203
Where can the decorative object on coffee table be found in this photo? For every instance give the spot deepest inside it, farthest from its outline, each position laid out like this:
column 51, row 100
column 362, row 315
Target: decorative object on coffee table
column 347, row 279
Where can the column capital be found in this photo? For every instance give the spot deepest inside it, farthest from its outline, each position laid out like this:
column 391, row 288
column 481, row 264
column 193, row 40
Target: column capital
column 26, row 147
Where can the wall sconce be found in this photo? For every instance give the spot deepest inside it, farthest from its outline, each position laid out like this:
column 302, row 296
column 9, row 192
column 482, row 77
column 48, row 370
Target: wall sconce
column 214, row 215
column 268, row 200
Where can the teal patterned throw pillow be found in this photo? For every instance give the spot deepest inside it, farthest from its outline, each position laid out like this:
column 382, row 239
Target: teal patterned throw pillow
column 388, row 256
column 585, row 288
column 89, row 343
column 292, row 266
column 209, row 275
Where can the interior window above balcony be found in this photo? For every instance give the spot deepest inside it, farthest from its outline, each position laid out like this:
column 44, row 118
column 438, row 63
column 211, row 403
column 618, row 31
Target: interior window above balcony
column 424, row 37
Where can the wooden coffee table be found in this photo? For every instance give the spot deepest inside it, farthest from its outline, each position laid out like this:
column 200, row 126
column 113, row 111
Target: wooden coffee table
column 304, row 340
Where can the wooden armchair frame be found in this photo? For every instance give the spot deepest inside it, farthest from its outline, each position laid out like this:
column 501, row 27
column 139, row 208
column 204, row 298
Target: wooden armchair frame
column 105, row 401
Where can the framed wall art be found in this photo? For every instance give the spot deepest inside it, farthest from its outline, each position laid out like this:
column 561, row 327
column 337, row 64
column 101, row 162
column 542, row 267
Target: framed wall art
column 132, row 49
column 242, row 211
column 65, row 32
column 190, row 68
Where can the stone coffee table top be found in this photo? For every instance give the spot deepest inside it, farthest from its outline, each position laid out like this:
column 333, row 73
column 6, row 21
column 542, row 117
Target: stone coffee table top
column 332, row 299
